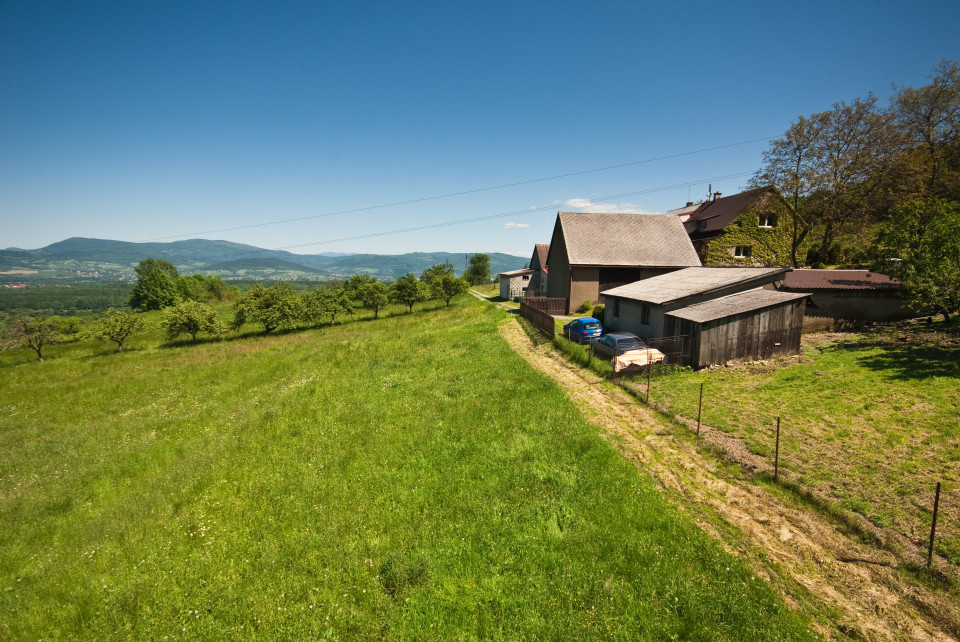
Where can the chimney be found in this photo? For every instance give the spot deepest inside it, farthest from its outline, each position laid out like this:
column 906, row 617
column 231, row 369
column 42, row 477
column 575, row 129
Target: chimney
column 689, row 203
column 716, row 195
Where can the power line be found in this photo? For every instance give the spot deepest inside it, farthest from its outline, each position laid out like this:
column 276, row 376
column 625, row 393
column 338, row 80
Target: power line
column 488, row 217
column 463, row 193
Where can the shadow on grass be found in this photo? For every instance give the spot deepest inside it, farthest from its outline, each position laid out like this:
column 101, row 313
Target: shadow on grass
column 908, row 360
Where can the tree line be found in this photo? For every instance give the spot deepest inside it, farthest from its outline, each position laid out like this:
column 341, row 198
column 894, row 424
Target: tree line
column 880, row 187
column 185, row 303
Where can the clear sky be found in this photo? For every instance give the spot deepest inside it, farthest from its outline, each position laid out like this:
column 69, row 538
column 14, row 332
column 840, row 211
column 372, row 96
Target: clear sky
column 169, row 120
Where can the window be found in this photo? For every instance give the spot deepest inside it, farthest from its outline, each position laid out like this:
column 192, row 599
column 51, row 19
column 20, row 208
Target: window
column 645, row 314
column 768, row 220
column 526, row 277
column 743, row 251
column 701, row 226
column 616, row 307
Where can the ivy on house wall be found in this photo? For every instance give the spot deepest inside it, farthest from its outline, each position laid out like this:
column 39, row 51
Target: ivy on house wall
column 769, row 246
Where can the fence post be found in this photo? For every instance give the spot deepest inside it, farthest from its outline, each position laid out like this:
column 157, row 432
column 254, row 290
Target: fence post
column 776, row 453
column 933, row 527
column 700, row 409
column 649, row 371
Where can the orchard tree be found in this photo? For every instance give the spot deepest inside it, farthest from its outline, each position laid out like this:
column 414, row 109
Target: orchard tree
column 191, row 317
column 448, row 286
column 408, row 289
column 33, row 333
column 920, row 245
column 434, row 272
column 327, row 302
column 115, row 325
column 374, row 296
column 478, row 270
column 275, row 307
column 355, row 283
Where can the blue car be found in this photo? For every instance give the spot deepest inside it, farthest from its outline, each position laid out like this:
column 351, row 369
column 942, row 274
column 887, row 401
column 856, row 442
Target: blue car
column 582, row 330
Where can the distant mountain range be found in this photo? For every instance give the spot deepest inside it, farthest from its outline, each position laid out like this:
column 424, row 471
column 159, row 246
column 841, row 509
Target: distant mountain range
column 84, row 259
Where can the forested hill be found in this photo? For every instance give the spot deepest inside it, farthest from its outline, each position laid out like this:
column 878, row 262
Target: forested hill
column 84, row 259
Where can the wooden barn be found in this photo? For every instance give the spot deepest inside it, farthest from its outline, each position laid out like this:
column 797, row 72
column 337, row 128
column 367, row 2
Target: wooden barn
column 723, row 314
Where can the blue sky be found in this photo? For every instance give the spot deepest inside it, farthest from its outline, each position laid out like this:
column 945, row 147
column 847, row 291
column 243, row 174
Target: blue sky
column 161, row 121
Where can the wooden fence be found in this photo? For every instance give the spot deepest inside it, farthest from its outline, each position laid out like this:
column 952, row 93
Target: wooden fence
column 539, row 318
column 557, row 307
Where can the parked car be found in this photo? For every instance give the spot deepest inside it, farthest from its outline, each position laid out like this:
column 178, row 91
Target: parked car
column 582, row 330
column 616, row 343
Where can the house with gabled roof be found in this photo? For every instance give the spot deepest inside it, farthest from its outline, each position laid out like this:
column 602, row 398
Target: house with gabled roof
column 722, row 313
column 593, row 252
column 752, row 228
column 538, row 262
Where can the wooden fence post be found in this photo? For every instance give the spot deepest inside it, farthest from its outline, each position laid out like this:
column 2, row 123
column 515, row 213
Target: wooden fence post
column 933, row 527
column 776, row 455
column 649, row 371
column 700, row 409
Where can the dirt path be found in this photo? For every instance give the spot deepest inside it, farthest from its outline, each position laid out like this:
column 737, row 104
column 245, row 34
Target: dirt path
column 855, row 588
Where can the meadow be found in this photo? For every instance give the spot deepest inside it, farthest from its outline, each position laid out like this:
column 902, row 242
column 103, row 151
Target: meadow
column 410, row 477
column 868, row 420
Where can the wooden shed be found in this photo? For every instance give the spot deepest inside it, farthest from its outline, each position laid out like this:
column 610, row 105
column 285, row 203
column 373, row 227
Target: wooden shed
column 758, row 324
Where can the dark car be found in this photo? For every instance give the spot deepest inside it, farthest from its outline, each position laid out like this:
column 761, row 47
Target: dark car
column 616, row 343
column 582, row 330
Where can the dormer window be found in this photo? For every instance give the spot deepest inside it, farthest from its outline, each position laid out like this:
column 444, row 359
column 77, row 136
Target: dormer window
column 768, row 220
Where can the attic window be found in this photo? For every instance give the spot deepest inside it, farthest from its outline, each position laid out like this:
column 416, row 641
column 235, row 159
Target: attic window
column 743, row 251
column 701, row 226
column 768, row 220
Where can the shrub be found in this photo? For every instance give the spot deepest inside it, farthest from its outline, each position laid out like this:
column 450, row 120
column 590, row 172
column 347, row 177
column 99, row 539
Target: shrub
column 598, row 312
column 585, row 307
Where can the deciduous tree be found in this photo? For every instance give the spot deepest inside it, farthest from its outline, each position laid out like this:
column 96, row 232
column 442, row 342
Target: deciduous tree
column 374, row 296
column 920, row 245
column 156, row 286
column 448, row 286
column 275, row 307
column 191, row 317
column 35, row 334
column 115, row 325
column 478, row 270
column 409, row 290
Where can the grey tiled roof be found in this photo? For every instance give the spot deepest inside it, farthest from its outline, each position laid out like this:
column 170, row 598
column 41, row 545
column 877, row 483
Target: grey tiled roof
column 626, row 240
column 735, row 304
column 694, row 280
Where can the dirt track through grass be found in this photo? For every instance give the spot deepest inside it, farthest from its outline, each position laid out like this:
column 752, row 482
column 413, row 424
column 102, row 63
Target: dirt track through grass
column 818, row 568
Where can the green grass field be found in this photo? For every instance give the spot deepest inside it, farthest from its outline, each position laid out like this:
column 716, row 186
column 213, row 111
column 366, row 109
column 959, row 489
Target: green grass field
column 871, row 421
column 405, row 478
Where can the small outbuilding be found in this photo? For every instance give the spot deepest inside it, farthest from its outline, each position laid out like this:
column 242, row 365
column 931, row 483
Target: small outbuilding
column 723, row 313
column 515, row 283
column 849, row 295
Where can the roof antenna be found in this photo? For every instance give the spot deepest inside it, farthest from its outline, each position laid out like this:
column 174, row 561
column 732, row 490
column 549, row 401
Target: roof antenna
column 709, row 191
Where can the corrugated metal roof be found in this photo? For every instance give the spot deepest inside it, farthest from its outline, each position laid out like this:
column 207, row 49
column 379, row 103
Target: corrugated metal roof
column 626, row 240
column 839, row 280
column 517, row 272
column 682, row 283
column 735, row 304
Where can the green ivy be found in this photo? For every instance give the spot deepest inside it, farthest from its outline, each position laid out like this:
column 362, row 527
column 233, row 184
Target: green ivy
column 769, row 246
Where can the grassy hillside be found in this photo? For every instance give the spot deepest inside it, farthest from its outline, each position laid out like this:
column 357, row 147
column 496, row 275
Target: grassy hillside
column 409, row 477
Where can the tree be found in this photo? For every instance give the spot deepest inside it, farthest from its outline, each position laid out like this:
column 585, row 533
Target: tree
column 930, row 118
column 327, row 302
column 448, row 286
column 156, row 286
column 920, row 245
column 374, row 296
column 789, row 165
column 275, row 307
column 191, row 317
column 32, row 333
column 408, row 289
column 435, row 272
column 355, row 283
column 115, row 325
column 479, row 270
